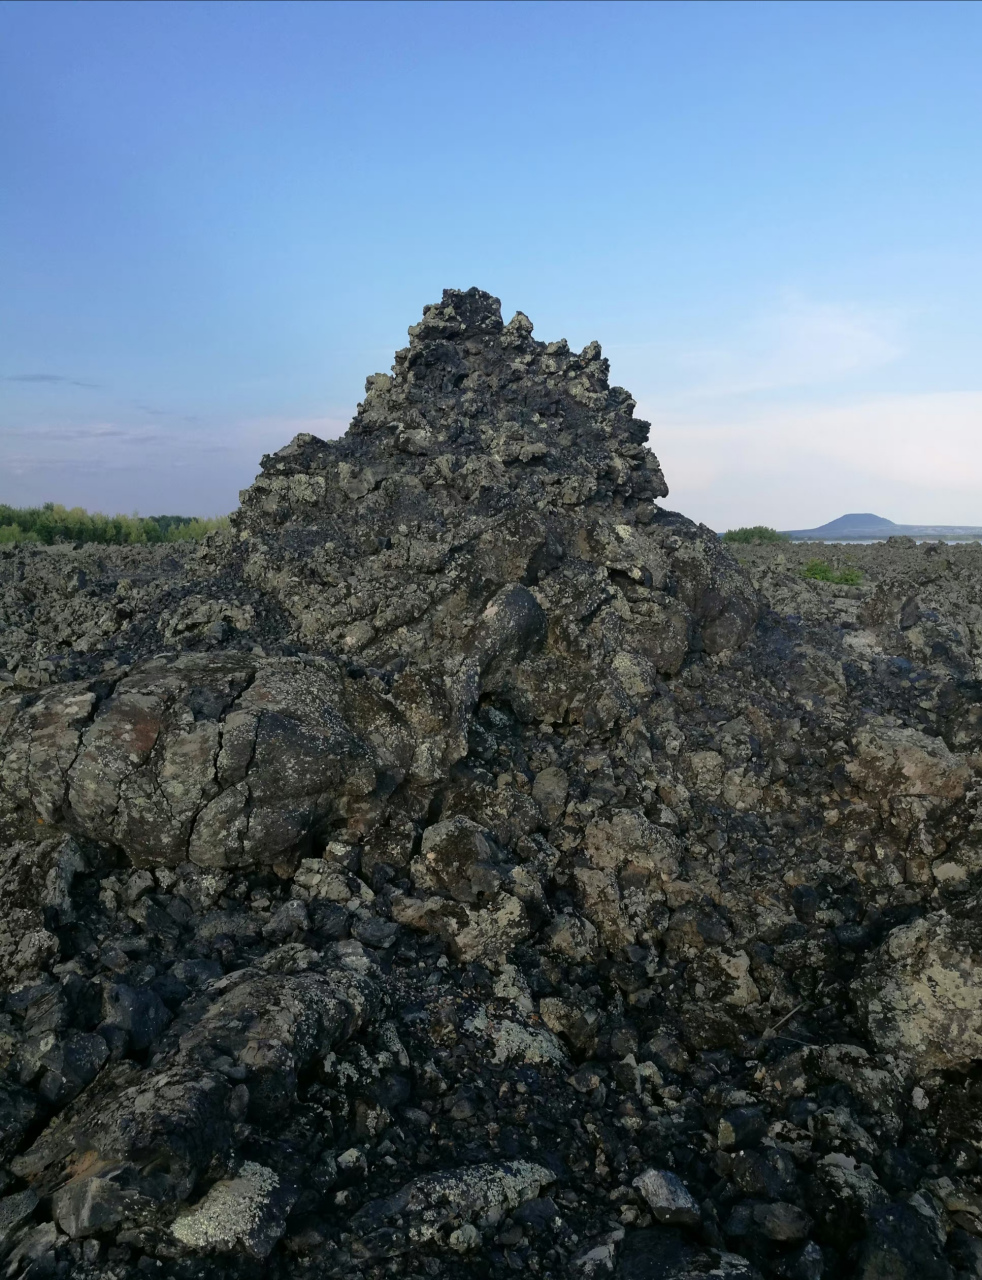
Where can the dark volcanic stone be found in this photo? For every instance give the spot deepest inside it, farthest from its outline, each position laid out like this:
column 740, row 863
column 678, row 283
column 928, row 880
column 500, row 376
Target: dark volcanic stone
column 901, row 1245
column 659, row 1255
column 140, row 1013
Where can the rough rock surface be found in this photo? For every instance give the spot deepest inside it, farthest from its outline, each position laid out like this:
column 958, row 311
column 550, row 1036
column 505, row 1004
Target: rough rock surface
column 466, row 866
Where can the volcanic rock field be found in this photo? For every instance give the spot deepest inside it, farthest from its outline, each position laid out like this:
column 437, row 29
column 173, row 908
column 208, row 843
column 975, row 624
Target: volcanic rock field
column 467, row 867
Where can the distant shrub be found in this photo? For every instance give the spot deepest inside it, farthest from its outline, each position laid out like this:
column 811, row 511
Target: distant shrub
column 822, row 572
column 53, row 523
column 194, row 528
column 14, row 533
column 754, row 533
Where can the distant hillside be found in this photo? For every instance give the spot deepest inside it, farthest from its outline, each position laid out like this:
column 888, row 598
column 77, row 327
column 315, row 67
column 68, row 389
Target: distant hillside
column 866, row 527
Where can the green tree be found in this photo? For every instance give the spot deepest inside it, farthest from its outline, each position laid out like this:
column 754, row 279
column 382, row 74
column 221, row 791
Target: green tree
column 53, row 523
column 820, row 571
column 754, row 533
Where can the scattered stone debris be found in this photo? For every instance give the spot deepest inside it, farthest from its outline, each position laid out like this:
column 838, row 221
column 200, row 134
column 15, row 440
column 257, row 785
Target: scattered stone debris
column 465, row 866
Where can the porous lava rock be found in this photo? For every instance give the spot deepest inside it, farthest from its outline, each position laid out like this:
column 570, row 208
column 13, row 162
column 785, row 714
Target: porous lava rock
column 466, row 866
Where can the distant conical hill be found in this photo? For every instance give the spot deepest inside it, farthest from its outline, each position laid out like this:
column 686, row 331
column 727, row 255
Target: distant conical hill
column 866, row 527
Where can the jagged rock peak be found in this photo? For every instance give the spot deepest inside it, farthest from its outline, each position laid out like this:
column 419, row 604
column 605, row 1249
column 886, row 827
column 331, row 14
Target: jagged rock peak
column 465, row 368
column 478, row 408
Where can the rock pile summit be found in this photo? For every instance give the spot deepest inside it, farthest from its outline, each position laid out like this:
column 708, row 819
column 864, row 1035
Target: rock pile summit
column 465, row 866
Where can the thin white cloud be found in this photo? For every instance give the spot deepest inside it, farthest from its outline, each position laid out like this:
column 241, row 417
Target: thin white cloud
column 912, row 458
column 808, row 343
column 797, row 343
column 188, row 469
column 38, row 441
column 768, row 424
column 51, row 379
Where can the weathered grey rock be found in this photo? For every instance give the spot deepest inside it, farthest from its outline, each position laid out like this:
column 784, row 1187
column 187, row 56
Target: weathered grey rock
column 921, row 995
column 900, row 1244
column 97, row 1200
column 550, row 789
column 273, row 1025
column 597, row 1258
column 174, row 1125
column 783, row 1222
column 573, row 937
column 14, row 1210
column 71, row 1064
column 458, row 859
column 430, row 1204
column 846, row 1193
column 27, row 945
column 139, row 1012
column 668, row 1198
column 247, row 1211
column 290, row 919
column 36, row 1249
column 894, row 760
column 17, row 1111
column 741, row 1127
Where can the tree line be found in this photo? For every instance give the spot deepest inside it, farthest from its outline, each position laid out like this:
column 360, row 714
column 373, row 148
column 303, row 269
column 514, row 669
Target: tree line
column 53, row 523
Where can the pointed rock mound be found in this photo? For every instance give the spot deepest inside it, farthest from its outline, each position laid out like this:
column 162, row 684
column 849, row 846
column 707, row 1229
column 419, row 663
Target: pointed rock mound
column 463, row 866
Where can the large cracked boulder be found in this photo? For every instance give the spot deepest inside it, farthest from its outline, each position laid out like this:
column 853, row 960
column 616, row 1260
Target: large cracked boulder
column 217, row 760
column 893, row 761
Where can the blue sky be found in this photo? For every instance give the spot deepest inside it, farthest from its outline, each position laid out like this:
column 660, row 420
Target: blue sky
column 219, row 218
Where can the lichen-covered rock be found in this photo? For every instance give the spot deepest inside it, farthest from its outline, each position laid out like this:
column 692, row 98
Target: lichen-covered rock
column 921, row 995
column 247, row 1211
column 14, row 1210
column 487, row 934
column 219, row 761
column 895, row 760
column 668, row 1197
column 430, row 1205
column 623, row 873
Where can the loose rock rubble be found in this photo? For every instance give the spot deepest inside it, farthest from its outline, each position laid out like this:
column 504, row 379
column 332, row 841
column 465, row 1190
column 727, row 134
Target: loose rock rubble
column 466, row 866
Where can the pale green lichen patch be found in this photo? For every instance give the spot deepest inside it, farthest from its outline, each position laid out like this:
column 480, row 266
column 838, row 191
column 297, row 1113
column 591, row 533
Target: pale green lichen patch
column 238, row 1211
